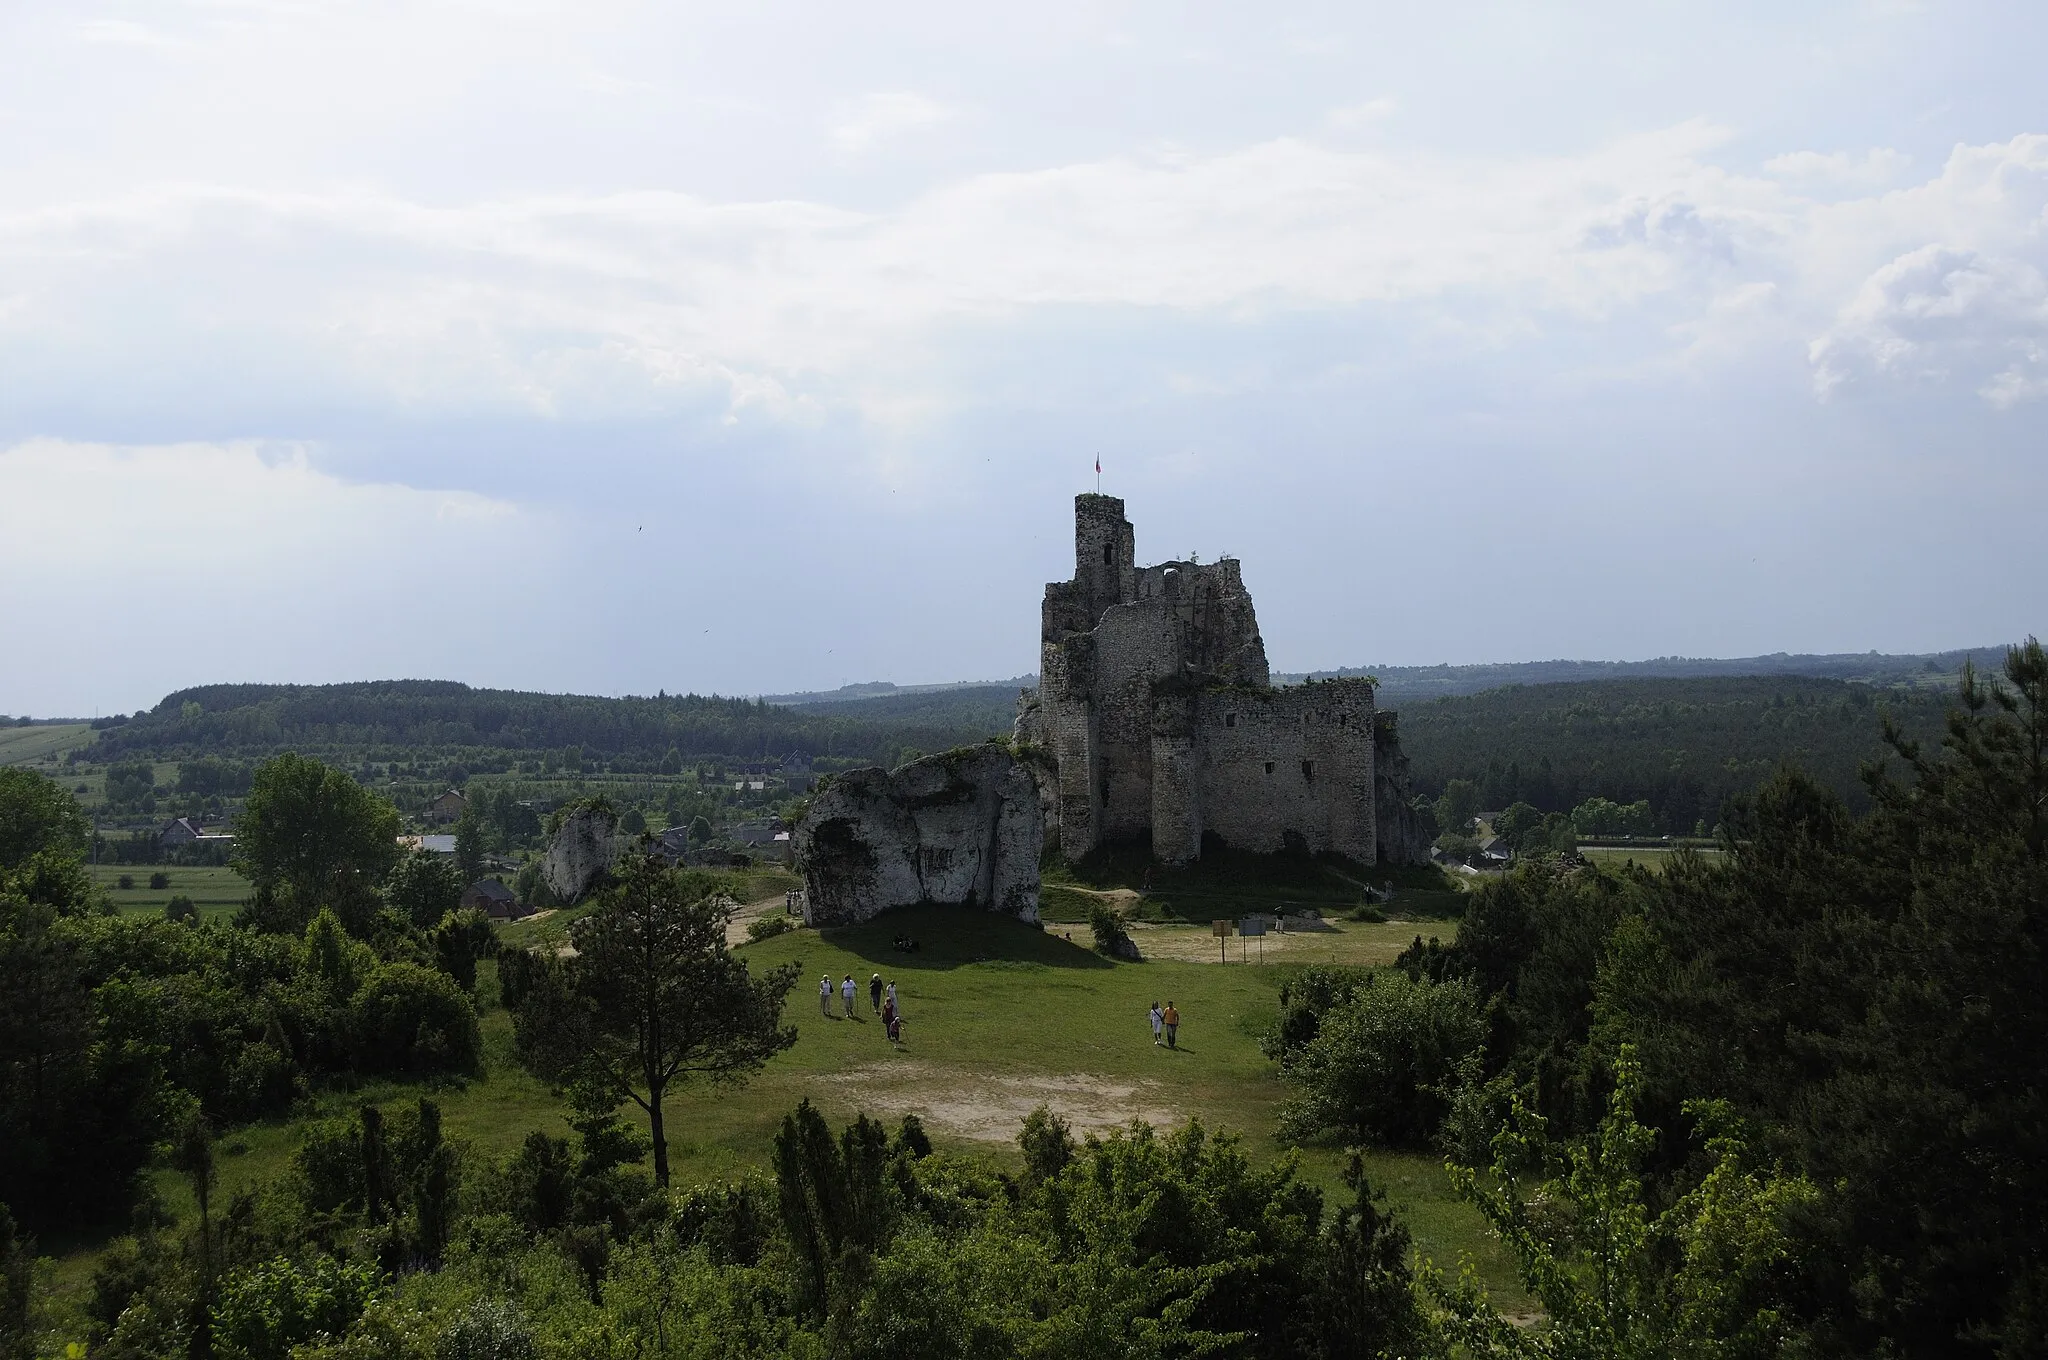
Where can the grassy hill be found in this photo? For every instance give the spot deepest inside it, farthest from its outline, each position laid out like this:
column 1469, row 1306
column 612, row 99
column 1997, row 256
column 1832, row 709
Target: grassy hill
column 41, row 742
column 411, row 717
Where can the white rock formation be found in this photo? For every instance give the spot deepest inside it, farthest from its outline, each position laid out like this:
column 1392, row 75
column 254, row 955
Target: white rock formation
column 580, row 855
column 962, row 828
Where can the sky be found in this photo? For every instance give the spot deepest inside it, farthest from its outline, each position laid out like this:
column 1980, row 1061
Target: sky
column 614, row 348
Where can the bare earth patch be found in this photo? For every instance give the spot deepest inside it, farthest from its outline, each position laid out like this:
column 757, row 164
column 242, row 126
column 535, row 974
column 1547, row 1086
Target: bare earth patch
column 744, row 916
column 990, row 1109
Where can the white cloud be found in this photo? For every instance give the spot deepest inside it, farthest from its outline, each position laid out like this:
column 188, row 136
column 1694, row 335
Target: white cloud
column 1951, row 291
column 282, row 570
column 234, row 507
column 654, row 303
column 123, row 33
column 1877, row 168
column 1369, row 113
column 876, row 118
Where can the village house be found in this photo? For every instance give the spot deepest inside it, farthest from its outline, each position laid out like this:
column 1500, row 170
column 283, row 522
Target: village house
column 494, row 899
column 179, row 831
column 672, row 845
column 447, row 808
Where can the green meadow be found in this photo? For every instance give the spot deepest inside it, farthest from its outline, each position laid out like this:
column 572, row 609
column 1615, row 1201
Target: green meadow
column 215, row 891
column 45, row 741
column 1649, row 856
column 1000, row 1018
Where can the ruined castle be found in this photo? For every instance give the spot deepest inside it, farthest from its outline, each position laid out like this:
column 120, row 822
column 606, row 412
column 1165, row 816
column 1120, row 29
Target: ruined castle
column 1157, row 709
column 1155, row 716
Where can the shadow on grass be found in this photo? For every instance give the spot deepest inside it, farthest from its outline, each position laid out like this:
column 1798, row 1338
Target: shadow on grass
column 1226, row 882
column 953, row 937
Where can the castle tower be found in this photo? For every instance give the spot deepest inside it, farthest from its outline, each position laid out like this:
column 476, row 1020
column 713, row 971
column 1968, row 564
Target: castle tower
column 1105, row 553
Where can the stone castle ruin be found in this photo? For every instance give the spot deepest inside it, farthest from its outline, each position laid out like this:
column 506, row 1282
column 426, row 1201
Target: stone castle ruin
column 1155, row 717
column 1159, row 713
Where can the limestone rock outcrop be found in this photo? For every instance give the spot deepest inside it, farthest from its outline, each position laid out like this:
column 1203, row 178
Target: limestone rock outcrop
column 1404, row 838
column 961, row 829
column 581, row 854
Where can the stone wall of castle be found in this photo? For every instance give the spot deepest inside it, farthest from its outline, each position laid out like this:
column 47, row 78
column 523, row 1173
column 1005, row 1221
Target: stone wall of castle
column 1156, row 708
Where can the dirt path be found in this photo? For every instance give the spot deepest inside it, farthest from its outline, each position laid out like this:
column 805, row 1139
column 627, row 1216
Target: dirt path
column 744, row 916
column 1122, row 899
column 990, row 1109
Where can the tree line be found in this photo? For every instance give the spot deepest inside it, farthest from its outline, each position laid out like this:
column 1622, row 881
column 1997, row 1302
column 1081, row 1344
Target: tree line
column 1786, row 1100
column 1685, row 746
column 244, row 721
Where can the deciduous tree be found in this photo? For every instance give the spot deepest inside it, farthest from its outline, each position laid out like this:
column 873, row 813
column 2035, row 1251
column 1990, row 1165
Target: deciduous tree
column 652, row 997
column 310, row 836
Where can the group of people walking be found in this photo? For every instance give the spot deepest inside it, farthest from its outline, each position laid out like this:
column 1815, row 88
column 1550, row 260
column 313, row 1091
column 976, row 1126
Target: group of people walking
column 881, row 1000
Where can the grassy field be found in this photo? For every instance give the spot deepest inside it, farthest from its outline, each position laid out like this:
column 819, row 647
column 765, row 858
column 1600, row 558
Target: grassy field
column 1000, row 1017
column 215, row 891
column 27, row 745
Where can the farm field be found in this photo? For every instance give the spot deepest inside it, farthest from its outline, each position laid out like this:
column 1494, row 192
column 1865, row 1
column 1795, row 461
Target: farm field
column 27, row 745
column 215, row 891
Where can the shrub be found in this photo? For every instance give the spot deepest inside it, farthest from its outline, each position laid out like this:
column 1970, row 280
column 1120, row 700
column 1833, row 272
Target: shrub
column 1316, row 990
column 405, row 1018
column 1108, row 928
column 489, row 1329
column 159, row 880
column 767, row 927
column 267, row 1309
column 125, row 882
column 1383, row 1059
column 1048, row 1145
column 181, row 908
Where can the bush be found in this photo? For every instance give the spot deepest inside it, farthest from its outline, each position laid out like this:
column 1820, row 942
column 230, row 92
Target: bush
column 1110, row 936
column 159, row 880
column 489, row 1329
column 266, row 1310
column 768, row 927
column 405, row 1018
column 1315, row 991
column 125, row 882
column 1383, row 1061
column 181, row 908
